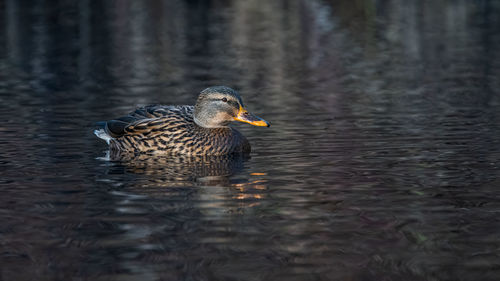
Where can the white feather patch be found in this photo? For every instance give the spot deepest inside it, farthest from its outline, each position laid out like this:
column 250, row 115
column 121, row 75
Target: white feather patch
column 103, row 135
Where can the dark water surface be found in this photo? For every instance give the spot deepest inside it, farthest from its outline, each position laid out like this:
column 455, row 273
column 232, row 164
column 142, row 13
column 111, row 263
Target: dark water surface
column 382, row 161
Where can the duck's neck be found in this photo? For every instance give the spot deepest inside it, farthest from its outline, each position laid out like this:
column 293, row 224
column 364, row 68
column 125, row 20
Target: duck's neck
column 210, row 130
column 204, row 123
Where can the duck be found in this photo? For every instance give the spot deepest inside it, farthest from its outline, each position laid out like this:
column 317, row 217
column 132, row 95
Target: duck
column 199, row 130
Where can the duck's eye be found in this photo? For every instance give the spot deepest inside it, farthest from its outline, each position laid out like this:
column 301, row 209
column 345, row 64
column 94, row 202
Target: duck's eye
column 224, row 99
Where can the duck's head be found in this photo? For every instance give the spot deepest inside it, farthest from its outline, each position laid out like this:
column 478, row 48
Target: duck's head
column 218, row 106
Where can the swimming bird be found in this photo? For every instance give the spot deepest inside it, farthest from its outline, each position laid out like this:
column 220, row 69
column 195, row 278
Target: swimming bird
column 201, row 129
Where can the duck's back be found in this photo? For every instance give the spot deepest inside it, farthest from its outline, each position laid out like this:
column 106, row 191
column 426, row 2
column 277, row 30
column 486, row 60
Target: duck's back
column 169, row 130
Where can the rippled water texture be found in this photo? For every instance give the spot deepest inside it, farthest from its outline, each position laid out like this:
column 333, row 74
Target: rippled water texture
column 382, row 161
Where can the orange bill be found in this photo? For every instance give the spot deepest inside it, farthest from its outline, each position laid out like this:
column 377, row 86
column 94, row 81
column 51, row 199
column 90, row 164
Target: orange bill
column 247, row 117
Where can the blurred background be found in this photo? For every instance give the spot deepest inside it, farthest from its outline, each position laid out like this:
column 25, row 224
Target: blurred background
column 382, row 161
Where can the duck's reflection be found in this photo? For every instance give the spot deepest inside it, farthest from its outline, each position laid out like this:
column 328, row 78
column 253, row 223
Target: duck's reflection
column 216, row 185
column 178, row 170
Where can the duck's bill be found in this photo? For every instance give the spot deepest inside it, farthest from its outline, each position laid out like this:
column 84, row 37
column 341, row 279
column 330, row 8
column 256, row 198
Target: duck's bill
column 247, row 117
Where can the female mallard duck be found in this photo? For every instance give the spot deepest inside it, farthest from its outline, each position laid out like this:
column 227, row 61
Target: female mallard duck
column 190, row 130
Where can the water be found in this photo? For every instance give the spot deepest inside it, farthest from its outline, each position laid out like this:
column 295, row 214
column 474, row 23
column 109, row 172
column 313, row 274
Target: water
column 382, row 161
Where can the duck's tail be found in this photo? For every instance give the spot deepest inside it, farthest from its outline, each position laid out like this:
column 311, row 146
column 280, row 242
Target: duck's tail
column 101, row 133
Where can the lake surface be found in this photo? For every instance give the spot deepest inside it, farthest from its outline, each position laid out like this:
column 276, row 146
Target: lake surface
column 382, row 161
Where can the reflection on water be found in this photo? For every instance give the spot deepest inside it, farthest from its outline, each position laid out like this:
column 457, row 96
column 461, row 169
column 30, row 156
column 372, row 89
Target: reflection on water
column 382, row 162
column 173, row 170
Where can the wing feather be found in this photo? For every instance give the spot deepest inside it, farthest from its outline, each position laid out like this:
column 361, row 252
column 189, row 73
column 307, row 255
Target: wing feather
column 148, row 119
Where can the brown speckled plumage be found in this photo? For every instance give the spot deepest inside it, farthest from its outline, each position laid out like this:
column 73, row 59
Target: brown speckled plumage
column 160, row 129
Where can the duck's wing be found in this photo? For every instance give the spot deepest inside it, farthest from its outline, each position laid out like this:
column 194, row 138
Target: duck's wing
column 146, row 119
